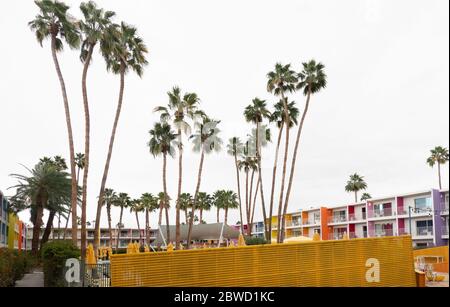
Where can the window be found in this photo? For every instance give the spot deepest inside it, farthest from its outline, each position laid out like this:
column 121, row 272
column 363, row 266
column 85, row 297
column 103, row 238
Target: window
column 422, row 203
column 316, row 217
column 424, row 228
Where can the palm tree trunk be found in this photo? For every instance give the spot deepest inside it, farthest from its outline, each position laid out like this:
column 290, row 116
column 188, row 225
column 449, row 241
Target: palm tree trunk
column 70, row 211
column 110, row 149
column 73, row 198
column 194, row 203
column 226, row 216
column 254, row 203
column 239, row 192
column 439, row 175
column 161, row 208
column 294, row 157
column 59, row 224
column 166, row 201
column 218, row 212
column 118, row 230
column 201, row 215
column 258, row 158
column 48, row 228
column 108, row 212
column 40, row 204
column 247, row 205
column 139, row 227
column 274, row 175
column 87, row 128
column 356, row 197
column 180, row 179
column 147, row 227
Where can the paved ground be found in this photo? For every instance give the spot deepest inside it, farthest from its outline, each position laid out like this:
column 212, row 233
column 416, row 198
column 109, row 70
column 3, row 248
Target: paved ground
column 33, row 279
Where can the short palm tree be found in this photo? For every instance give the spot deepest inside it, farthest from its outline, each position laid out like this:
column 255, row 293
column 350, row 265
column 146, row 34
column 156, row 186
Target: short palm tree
column 162, row 142
column 110, row 198
column 235, row 148
column 312, row 80
column 137, row 207
column 122, row 201
column 150, row 204
column 438, row 155
column 204, row 203
column 355, row 184
column 217, row 198
column 248, row 164
column 186, row 201
column 164, row 204
column 179, row 110
column 93, row 29
column 365, row 196
column 54, row 22
column 256, row 113
column 206, row 140
column 123, row 50
column 281, row 81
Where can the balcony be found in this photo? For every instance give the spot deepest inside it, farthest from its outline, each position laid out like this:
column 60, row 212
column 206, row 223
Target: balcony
column 356, row 235
column 403, row 231
column 336, row 236
column 357, row 217
column 424, row 231
column 337, row 219
column 293, row 223
column 402, row 211
column 387, row 212
column 445, row 231
column 444, row 208
column 384, row 233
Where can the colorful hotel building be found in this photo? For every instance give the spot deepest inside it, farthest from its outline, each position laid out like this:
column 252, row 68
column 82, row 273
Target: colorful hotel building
column 422, row 214
column 12, row 229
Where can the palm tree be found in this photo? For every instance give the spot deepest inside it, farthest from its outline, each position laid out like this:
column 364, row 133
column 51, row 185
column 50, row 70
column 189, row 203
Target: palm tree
column 229, row 202
column 281, row 81
column 312, row 80
column 162, row 142
column 164, row 204
column 278, row 117
column 136, row 207
column 256, row 113
column 53, row 22
column 206, row 140
column 79, row 162
column 217, row 200
column 110, row 198
column 122, row 201
column 179, row 109
column 438, row 155
column 45, row 185
column 204, row 203
column 186, row 201
column 150, row 204
column 248, row 164
column 123, row 50
column 365, row 196
column 235, row 149
column 93, row 27
column 355, row 184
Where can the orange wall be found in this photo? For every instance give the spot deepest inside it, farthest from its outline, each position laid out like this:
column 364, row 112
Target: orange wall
column 324, row 222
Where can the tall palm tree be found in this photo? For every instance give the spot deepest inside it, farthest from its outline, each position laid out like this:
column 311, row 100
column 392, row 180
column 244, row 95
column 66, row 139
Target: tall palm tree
column 92, row 28
column 204, row 203
column 186, row 201
column 355, row 184
column 150, row 204
column 45, row 185
column 280, row 82
column 179, row 109
column 279, row 118
column 256, row 113
column 123, row 50
column 162, row 142
column 438, row 155
column 365, row 196
column 110, row 198
column 79, row 162
column 137, row 207
column 206, row 140
column 235, row 148
column 217, row 199
column 248, row 164
column 54, row 22
column 230, row 202
column 163, row 200
column 312, row 80
column 122, row 201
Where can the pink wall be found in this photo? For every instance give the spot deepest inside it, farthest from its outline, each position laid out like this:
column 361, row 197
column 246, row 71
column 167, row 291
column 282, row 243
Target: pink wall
column 400, row 204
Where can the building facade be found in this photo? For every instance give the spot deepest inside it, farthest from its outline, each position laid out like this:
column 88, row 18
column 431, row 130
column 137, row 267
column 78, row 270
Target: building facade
column 12, row 229
column 423, row 215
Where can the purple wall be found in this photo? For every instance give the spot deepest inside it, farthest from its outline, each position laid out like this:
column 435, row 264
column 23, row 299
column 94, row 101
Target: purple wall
column 437, row 222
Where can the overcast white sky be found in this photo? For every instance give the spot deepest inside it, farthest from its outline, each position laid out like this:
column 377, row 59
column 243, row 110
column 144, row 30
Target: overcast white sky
column 385, row 107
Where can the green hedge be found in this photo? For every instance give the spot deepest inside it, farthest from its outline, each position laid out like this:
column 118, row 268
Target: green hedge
column 13, row 265
column 254, row 241
column 54, row 256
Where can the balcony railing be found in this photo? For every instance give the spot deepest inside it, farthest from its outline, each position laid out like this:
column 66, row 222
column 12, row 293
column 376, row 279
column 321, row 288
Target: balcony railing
column 382, row 212
column 356, row 235
column 402, row 211
column 337, row 219
column 384, row 233
column 403, row 231
column 424, row 231
column 445, row 230
column 336, row 236
column 444, row 207
column 357, row 217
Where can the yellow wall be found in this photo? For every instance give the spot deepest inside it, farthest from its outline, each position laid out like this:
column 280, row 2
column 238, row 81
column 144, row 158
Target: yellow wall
column 321, row 263
column 12, row 235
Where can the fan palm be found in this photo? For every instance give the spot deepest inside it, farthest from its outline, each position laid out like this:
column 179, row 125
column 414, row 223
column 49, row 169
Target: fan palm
column 179, row 109
column 204, row 203
column 122, row 201
column 162, row 142
column 186, row 201
column 312, row 80
column 150, row 204
column 79, row 163
column 355, row 184
column 248, row 164
column 438, row 155
column 164, row 204
column 206, row 140
column 54, row 22
column 235, row 148
column 365, row 196
column 110, row 198
column 123, row 50
column 137, row 207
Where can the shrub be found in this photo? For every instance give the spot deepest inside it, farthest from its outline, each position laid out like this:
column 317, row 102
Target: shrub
column 254, row 241
column 54, row 256
column 13, row 265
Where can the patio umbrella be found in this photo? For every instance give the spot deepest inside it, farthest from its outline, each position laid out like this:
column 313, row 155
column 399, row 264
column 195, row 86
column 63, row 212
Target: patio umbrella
column 241, row 241
column 90, row 255
column 297, row 239
column 345, row 236
column 316, row 237
column 170, row 248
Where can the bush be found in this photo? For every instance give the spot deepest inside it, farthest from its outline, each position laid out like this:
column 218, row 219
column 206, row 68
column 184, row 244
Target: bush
column 254, row 241
column 13, row 265
column 54, row 256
